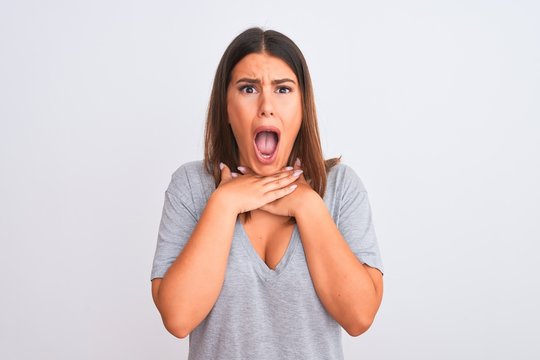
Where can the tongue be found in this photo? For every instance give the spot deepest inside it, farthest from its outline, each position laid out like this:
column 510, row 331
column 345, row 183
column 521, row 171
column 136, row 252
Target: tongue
column 266, row 142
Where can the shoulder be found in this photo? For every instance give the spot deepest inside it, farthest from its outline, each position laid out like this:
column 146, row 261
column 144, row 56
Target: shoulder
column 191, row 177
column 343, row 176
column 189, row 169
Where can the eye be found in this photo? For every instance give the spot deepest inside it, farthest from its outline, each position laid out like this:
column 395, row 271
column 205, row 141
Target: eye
column 284, row 90
column 248, row 89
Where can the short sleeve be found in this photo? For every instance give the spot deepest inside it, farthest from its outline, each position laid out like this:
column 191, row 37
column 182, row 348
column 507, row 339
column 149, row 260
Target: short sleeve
column 177, row 223
column 355, row 221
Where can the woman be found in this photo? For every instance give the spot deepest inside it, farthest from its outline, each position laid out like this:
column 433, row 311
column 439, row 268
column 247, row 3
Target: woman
column 265, row 250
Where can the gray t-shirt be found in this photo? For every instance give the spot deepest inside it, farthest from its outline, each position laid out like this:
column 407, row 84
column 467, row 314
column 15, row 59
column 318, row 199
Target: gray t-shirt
column 263, row 313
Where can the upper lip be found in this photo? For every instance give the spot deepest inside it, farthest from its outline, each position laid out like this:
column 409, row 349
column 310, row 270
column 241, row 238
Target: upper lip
column 267, row 128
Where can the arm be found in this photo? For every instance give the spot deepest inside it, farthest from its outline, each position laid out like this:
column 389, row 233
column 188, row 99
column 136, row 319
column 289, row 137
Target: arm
column 349, row 290
column 191, row 286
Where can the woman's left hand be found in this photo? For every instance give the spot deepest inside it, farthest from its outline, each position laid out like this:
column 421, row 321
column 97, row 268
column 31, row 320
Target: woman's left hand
column 290, row 204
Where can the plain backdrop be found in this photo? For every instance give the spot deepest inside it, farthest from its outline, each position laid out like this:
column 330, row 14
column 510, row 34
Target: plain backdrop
column 435, row 104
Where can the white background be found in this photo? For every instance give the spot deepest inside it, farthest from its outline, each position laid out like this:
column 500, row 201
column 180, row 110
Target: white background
column 435, row 104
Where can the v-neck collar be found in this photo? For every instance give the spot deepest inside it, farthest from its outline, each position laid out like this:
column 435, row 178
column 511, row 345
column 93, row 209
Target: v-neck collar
column 267, row 274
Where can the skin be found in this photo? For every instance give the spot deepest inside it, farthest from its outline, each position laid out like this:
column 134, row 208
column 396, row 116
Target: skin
column 188, row 291
column 263, row 91
column 350, row 291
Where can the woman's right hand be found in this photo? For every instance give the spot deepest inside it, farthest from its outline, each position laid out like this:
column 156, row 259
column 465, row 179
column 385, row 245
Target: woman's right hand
column 248, row 192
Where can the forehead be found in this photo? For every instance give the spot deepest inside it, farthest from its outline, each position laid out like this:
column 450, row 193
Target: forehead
column 261, row 66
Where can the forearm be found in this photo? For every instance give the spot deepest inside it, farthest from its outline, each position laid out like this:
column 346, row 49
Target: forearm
column 343, row 284
column 192, row 284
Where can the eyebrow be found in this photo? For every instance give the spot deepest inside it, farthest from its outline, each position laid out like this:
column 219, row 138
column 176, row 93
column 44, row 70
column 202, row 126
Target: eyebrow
column 257, row 81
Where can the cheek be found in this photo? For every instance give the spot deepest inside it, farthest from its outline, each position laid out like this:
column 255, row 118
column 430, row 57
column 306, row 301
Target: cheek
column 291, row 132
column 293, row 111
column 239, row 110
column 238, row 123
column 295, row 116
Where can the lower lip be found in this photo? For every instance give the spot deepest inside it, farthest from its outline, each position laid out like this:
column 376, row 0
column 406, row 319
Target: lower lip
column 265, row 160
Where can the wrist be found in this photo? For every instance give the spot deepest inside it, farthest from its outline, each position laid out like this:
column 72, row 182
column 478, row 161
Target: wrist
column 220, row 201
column 308, row 201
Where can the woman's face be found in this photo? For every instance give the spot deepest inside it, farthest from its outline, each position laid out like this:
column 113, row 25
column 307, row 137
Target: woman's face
column 265, row 111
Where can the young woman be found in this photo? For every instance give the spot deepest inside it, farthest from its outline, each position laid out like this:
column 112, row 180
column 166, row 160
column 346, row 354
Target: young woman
column 265, row 250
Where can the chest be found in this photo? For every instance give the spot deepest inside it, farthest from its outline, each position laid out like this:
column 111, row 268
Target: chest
column 269, row 239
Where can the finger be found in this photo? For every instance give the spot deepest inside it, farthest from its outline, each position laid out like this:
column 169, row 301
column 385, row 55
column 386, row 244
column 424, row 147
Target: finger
column 298, row 165
column 279, row 193
column 244, row 170
column 225, row 172
column 282, row 179
column 277, row 176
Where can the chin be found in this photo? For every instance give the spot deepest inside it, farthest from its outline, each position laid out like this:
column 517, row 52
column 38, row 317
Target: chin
column 266, row 169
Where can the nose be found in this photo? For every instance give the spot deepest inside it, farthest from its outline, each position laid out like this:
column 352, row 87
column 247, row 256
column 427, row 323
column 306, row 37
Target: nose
column 266, row 107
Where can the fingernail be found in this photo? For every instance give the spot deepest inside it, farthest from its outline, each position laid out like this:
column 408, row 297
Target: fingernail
column 242, row 169
column 289, row 168
column 233, row 174
column 297, row 162
column 297, row 172
column 221, row 166
column 293, row 186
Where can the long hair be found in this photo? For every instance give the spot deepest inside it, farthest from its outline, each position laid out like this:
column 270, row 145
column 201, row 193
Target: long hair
column 220, row 144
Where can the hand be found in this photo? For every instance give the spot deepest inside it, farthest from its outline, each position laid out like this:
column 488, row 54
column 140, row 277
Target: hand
column 249, row 192
column 289, row 205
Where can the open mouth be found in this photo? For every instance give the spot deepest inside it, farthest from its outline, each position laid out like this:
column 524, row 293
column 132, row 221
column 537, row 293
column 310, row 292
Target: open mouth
column 266, row 143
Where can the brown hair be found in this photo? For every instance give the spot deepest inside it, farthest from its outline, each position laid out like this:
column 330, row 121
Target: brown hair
column 220, row 144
